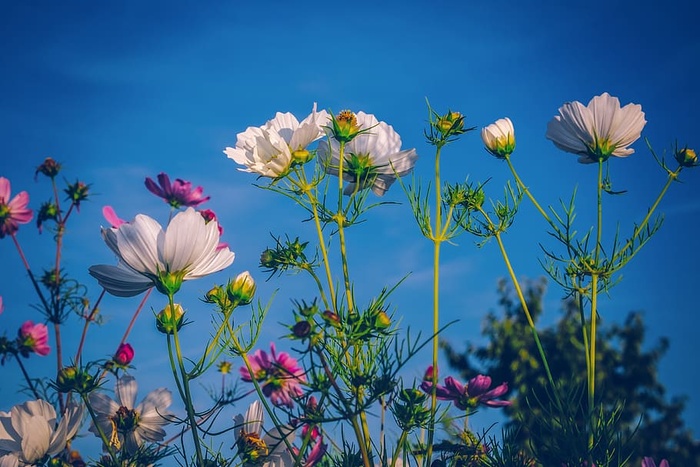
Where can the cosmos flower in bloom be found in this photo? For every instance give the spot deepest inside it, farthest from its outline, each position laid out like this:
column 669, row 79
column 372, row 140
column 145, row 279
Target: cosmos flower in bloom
column 373, row 158
column 150, row 256
column 12, row 211
column 254, row 449
column 128, row 426
column 177, row 194
column 28, row 432
column 475, row 392
column 34, row 338
column 271, row 149
column 279, row 375
column 597, row 131
column 111, row 216
column 499, row 138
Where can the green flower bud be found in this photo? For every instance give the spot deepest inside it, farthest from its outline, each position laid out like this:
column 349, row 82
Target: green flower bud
column 242, row 289
column 168, row 319
column 686, row 157
column 75, row 379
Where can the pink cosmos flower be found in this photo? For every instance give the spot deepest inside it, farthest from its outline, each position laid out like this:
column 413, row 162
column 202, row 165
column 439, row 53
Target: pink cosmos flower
column 124, row 355
column 34, row 338
column 12, row 211
column 112, row 218
column 279, row 375
column 649, row 462
column 2, row 307
column 475, row 392
column 178, row 194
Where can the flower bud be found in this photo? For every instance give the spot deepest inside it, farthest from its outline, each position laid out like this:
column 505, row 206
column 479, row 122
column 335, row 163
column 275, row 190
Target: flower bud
column 124, row 355
column 218, row 296
column 452, row 123
column 169, row 283
column 75, row 379
column 686, row 157
column 224, row 367
column 302, row 329
column 47, row 212
column 242, row 289
column 49, row 167
column 331, row 318
column 382, row 320
column 499, row 138
column 77, row 192
column 168, row 320
column 267, row 259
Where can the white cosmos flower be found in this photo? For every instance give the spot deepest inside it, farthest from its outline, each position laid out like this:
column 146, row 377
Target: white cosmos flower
column 373, row 159
column 597, row 131
column 499, row 137
column 149, row 256
column 271, row 149
column 253, row 447
column 128, row 426
column 29, row 432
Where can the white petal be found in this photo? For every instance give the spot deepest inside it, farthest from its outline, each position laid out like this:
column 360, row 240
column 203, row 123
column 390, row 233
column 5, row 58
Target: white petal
column 36, row 433
column 138, row 244
column 120, row 280
column 187, row 239
column 252, row 423
column 125, row 391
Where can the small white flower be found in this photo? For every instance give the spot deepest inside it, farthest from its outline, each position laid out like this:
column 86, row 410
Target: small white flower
column 148, row 256
column 499, row 137
column 269, row 150
column 253, row 447
column 29, row 432
column 373, row 159
column 598, row 131
column 126, row 426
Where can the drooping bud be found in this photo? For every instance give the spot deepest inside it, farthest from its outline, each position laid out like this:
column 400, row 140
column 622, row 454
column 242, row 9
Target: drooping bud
column 242, row 289
column 49, row 167
column 168, row 319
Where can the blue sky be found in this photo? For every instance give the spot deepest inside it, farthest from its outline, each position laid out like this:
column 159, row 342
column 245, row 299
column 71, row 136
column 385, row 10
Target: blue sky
column 118, row 91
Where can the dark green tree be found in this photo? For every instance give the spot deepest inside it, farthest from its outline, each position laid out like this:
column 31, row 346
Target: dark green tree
column 648, row 424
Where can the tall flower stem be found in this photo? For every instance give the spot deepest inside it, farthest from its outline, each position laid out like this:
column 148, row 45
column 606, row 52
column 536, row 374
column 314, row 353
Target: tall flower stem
column 340, row 218
column 528, row 316
column 88, row 319
column 437, row 237
column 26, row 376
column 136, row 314
column 107, row 442
column 189, row 406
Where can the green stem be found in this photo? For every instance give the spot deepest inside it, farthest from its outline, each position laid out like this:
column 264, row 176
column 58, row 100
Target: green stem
column 100, row 432
column 437, row 239
column 186, row 390
column 340, row 221
column 528, row 316
column 26, row 376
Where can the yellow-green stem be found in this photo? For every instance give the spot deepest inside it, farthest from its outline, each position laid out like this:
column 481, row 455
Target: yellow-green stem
column 528, row 316
column 340, row 221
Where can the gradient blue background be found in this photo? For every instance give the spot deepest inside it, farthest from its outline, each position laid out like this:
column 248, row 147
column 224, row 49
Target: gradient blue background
column 118, row 91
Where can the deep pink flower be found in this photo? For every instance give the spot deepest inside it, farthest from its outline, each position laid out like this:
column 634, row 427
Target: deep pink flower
column 475, row 392
column 178, row 194
column 279, row 375
column 34, row 338
column 209, row 216
column 124, row 355
column 649, row 462
column 112, row 218
column 12, row 212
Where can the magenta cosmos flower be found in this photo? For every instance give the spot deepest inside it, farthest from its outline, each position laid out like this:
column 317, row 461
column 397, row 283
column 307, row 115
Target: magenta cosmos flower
column 476, row 392
column 34, row 338
column 177, row 194
column 12, row 211
column 279, row 375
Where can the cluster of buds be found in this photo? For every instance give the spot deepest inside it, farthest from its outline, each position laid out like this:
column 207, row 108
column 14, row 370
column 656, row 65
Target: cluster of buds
column 284, row 256
column 237, row 292
column 465, row 195
column 409, row 409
